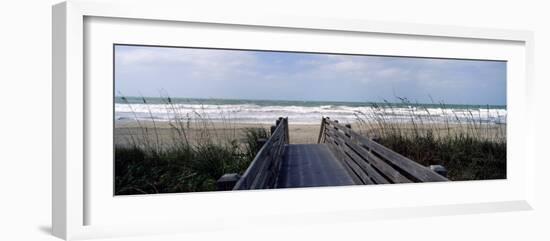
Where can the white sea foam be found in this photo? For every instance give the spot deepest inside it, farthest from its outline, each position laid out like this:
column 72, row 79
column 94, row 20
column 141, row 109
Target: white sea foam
column 251, row 113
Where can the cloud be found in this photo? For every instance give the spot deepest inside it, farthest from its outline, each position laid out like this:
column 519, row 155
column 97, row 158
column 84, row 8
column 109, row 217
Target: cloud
column 196, row 62
column 276, row 75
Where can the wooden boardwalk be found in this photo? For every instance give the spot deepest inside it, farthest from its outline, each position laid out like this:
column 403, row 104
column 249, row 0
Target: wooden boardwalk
column 311, row 165
column 341, row 157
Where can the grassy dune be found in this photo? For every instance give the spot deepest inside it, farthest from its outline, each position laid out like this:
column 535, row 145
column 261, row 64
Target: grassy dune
column 469, row 149
column 190, row 153
column 147, row 163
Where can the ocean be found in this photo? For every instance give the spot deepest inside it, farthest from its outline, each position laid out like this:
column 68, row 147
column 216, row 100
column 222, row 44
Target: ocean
column 298, row 112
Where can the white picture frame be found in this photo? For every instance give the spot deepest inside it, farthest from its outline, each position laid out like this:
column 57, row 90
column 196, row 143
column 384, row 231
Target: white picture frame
column 73, row 192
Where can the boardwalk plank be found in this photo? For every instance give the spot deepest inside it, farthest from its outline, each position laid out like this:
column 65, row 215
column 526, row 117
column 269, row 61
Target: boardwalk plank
column 311, row 165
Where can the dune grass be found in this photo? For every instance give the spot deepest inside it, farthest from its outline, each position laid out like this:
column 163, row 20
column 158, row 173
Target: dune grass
column 148, row 164
column 469, row 148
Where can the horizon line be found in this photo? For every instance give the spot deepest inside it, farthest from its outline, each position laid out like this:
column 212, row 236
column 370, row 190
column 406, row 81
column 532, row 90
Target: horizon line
column 341, row 101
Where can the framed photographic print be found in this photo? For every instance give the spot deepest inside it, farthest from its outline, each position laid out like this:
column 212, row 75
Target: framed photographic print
column 209, row 122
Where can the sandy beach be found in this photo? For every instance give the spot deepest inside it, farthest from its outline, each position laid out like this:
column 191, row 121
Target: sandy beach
column 439, row 130
column 124, row 131
column 299, row 133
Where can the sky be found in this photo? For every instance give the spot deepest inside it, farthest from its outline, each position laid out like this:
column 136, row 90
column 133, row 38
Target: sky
column 268, row 75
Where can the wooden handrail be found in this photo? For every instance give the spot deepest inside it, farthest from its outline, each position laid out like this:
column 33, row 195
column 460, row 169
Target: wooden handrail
column 264, row 169
column 370, row 162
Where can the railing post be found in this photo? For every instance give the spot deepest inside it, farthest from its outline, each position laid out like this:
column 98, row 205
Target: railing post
column 287, row 130
column 349, row 127
column 277, row 122
column 227, row 181
column 439, row 169
column 321, row 130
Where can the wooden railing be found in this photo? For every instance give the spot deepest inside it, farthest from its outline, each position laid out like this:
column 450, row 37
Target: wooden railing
column 264, row 169
column 369, row 162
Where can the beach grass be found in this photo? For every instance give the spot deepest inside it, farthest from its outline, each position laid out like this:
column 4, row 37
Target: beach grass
column 467, row 147
column 198, row 151
column 148, row 164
